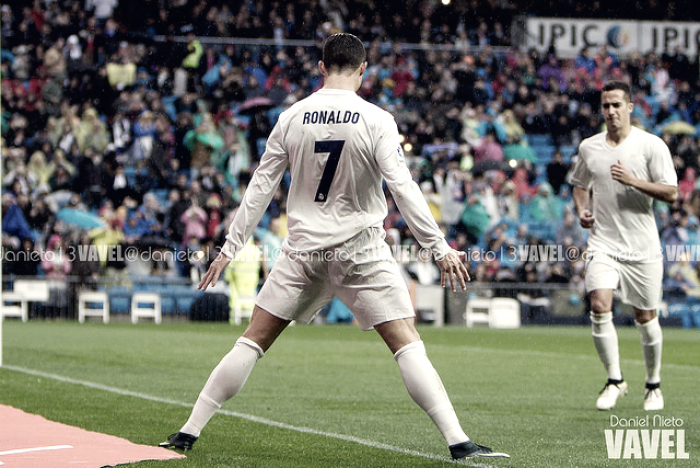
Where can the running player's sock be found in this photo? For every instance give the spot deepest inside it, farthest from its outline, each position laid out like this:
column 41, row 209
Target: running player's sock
column 652, row 343
column 425, row 387
column 605, row 339
column 225, row 381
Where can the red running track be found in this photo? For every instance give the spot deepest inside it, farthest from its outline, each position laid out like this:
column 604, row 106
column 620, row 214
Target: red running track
column 31, row 441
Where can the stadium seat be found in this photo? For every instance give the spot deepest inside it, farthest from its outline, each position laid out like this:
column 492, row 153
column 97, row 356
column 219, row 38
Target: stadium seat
column 13, row 305
column 534, row 139
column 93, row 303
column 430, row 304
column 478, row 311
column 505, row 313
column 119, row 304
column 146, row 305
column 567, row 151
column 498, row 312
column 167, row 304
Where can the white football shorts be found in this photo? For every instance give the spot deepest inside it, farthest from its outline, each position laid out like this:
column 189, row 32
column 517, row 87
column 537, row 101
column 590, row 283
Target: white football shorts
column 361, row 272
column 640, row 283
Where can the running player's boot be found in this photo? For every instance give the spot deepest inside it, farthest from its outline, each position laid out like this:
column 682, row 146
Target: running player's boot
column 653, row 398
column 469, row 449
column 613, row 390
column 179, row 441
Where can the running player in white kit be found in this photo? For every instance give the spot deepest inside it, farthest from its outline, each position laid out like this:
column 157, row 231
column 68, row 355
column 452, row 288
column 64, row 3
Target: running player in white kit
column 625, row 169
column 339, row 148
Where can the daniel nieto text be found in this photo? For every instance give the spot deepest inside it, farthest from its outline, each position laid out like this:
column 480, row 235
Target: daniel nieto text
column 648, row 437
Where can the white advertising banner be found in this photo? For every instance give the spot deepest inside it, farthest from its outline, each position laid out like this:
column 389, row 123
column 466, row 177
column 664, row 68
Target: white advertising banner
column 621, row 37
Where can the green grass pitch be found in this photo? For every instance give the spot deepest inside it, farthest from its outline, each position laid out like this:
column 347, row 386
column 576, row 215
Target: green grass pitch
column 332, row 396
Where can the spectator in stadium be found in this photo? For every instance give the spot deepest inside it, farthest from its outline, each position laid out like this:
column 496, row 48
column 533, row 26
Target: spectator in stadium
column 195, row 221
column 488, row 150
column 85, row 266
column 556, row 171
column 474, row 220
column 569, row 233
column 343, row 65
column 39, row 171
column 635, row 168
column 687, row 184
column 56, row 263
column 242, row 276
column 693, row 231
column 584, row 60
column 92, row 132
column 545, row 205
column 522, row 184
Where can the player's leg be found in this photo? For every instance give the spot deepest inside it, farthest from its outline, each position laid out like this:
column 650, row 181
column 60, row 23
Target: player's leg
column 606, row 344
column 421, row 379
column 229, row 376
column 425, row 386
column 604, row 333
column 366, row 278
column 641, row 286
column 647, row 323
column 602, row 277
column 285, row 294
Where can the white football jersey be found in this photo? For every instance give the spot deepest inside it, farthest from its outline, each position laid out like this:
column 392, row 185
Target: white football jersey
column 338, row 147
column 624, row 227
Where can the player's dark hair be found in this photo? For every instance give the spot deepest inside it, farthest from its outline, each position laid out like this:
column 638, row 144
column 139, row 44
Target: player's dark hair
column 621, row 85
column 343, row 51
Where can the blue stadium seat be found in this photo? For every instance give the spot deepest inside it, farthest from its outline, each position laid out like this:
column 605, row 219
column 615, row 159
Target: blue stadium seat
column 167, row 305
column 539, row 140
column 544, row 153
column 183, row 304
column 567, row 151
column 119, row 304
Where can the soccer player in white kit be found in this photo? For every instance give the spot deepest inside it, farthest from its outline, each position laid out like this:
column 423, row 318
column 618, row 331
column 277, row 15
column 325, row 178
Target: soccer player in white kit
column 339, row 148
column 621, row 171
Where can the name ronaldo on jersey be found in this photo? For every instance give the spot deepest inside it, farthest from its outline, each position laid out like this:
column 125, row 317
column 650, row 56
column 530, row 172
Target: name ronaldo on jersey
column 330, row 117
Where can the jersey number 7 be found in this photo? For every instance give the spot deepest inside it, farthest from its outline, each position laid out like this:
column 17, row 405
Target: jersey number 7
column 333, row 148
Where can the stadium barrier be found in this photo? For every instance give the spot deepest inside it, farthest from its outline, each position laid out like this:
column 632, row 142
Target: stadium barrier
column 540, row 303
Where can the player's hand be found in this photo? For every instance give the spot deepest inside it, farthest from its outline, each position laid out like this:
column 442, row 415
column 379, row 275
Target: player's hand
column 620, row 173
column 212, row 275
column 586, row 219
column 452, row 268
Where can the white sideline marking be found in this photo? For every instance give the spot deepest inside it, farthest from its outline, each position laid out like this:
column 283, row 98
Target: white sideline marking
column 36, row 449
column 248, row 417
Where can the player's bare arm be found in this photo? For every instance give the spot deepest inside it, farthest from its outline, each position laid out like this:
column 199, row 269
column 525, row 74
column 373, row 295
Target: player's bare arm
column 661, row 192
column 215, row 269
column 581, row 201
column 452, row 268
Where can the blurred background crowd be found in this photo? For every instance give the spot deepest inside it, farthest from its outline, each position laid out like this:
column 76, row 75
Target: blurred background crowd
column 137, row 123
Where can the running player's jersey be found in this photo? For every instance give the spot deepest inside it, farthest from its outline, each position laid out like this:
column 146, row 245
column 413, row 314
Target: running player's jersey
column 624, row 227
column 338, row 147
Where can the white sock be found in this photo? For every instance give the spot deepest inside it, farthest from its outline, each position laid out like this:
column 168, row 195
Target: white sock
column 225, row 381
column 652, row 342
column 425, row 387
column 605, row 339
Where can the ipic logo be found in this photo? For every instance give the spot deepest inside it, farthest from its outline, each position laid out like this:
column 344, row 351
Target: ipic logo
column 646, row 443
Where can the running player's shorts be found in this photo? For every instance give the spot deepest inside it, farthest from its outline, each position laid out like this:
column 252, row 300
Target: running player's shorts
column 361, row 272
column 640, row 283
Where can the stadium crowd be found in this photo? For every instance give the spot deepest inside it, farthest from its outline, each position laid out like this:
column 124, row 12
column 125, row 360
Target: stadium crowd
column 106, row 114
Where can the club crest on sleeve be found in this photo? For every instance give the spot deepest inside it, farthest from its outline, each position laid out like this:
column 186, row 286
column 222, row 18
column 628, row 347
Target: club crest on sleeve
column 401, row 157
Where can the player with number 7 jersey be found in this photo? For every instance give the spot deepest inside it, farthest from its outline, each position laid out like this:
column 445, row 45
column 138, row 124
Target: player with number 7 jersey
column 339, row 148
